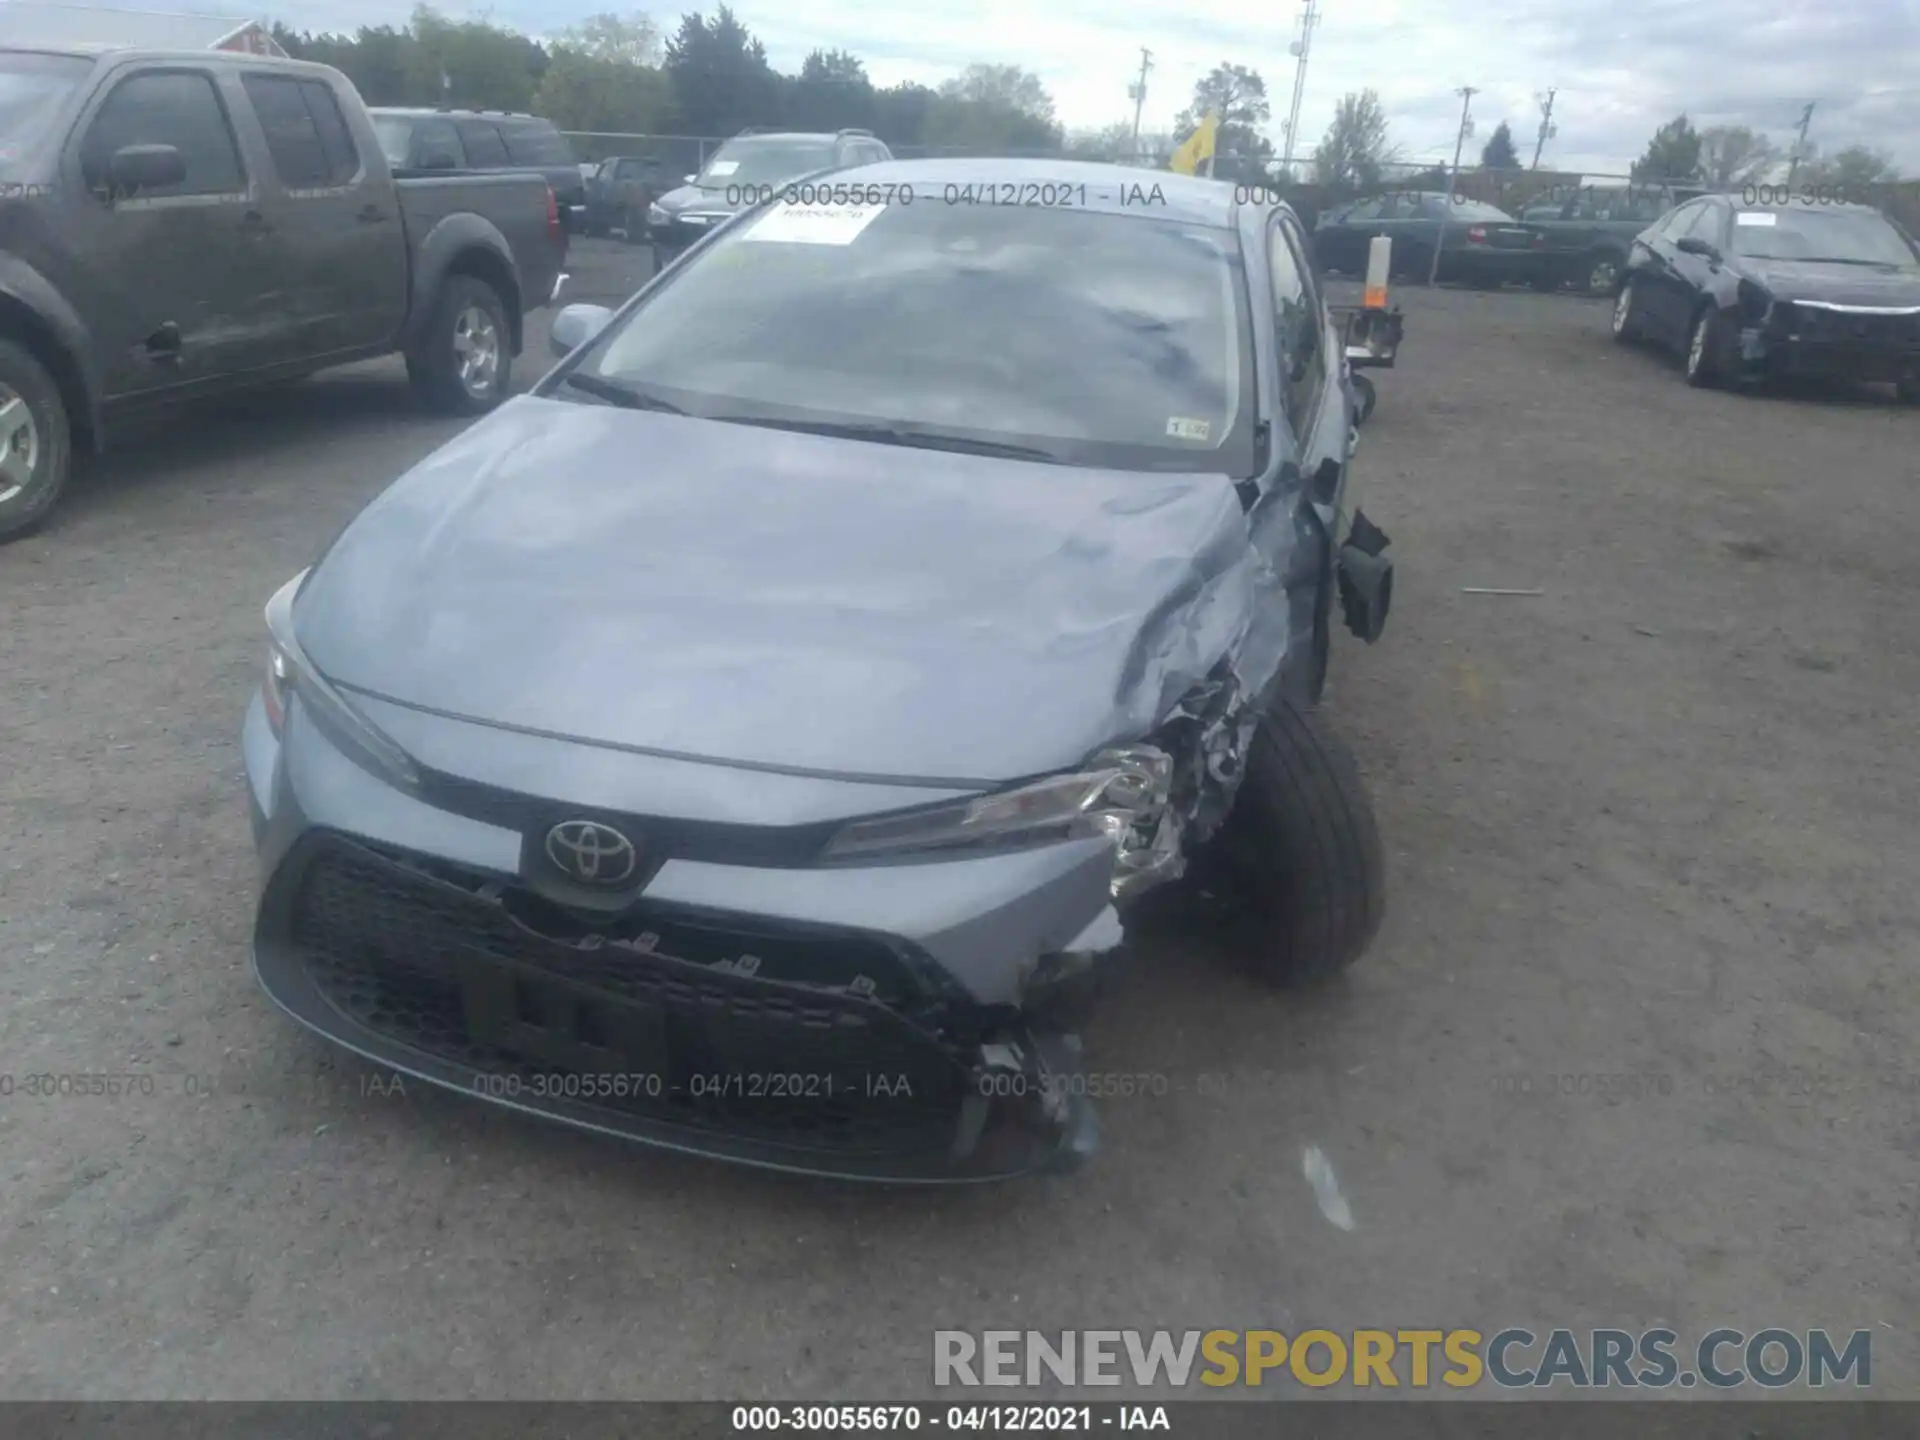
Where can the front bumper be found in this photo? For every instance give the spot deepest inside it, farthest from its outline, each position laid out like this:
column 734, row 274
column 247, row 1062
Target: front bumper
column 842, row 1022
column 1829, row 351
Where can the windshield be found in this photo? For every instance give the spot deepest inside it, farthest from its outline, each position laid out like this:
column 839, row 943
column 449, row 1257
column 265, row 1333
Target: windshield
column 1096, row 338
column 1856, row 236
column 31, row 89
column 395, row 134
column 764, row 161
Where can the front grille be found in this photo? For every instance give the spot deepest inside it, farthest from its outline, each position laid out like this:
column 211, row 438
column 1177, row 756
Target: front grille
column 669, row 1017
column 1841, row 327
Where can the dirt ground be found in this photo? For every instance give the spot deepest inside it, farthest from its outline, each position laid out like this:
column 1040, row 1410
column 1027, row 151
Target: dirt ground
column 1635, row 1046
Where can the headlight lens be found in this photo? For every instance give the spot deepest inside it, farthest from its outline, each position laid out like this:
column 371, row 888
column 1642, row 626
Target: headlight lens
column 290, row 673
column 657, row 216
column 1118, row 790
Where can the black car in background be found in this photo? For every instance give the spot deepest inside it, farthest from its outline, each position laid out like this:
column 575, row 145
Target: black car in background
column 417, row 140
column 621, row 190
column 1745, row 292
column 1589, row 229
column 750, row 168
column 1478, row 243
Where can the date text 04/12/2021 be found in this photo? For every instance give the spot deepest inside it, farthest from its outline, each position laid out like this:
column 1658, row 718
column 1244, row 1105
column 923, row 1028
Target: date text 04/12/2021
column 1022, row 195
column 1029, row 1419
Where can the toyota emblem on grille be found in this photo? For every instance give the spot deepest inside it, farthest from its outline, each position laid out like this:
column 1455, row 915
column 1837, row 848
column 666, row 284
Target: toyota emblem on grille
column 591, row 852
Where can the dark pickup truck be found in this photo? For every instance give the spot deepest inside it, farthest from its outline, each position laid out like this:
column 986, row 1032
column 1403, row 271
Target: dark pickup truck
column 179, row 225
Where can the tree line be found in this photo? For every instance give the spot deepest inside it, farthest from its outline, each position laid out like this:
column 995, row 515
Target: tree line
column 711, row 77
column 1358, row 152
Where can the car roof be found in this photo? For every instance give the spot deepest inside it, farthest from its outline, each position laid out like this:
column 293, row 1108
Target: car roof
column 827, row 135
column 429, row 112
column 1192, row 199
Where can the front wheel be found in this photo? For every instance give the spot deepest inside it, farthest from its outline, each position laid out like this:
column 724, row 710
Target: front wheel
column 1626, row 314
column 464, row 363
column 1301, row 854
column 35, row 443
column 1703, row 350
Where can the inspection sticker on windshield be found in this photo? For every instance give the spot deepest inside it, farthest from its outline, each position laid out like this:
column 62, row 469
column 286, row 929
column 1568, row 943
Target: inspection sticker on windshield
column 723, row 167
column 1180, row 427
column 814, row 224
column 1756, row 217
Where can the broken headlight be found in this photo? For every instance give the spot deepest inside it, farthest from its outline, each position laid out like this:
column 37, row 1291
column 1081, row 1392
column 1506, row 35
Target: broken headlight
column 291, row 673
column 1119, row 794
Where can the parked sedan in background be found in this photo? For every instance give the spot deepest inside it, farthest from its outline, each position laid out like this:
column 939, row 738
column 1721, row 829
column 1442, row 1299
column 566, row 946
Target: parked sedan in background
column 1590, row 229
column 1744, row 292
column 1478, row 243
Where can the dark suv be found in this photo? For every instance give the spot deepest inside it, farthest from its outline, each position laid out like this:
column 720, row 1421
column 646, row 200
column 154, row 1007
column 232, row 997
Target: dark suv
column 485, row 140
column 746, row 170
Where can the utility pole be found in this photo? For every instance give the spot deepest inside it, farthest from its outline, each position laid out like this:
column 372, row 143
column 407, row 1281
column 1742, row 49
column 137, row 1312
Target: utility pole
column 1467, row 93
column 1298, row 49
column 1799, row 145
column 1547, row 131
column 1138, row 93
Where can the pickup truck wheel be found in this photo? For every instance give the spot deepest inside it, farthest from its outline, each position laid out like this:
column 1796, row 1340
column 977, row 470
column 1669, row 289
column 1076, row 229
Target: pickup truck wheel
column 1300, row 856
column 463, row 365
column 35, row 446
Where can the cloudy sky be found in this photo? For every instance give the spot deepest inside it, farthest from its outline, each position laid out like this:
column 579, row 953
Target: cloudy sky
column 1620, row 67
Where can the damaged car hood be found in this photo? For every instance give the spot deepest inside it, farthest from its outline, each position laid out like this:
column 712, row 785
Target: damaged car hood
column 791, row 601
column 1822, row 282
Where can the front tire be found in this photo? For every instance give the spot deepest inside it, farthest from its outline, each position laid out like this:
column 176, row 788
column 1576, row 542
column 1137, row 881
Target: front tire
column 1301, row 852
column 1702, row 364
column 1626, row 314
column 1603, row 275
column 36, row 442
column 465, row 363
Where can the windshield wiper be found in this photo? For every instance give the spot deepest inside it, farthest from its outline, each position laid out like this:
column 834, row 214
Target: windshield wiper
column 899, row 435
column 614, row 393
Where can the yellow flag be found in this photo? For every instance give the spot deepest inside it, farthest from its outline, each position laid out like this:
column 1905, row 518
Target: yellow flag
column 1197, row 149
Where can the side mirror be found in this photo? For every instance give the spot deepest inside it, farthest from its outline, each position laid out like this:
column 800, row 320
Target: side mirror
column 1694, row 245
column 145, row 167
column 438, row 160
column 575, row 325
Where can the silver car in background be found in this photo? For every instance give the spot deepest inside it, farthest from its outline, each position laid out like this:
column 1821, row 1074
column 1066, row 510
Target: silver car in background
column 754, row 740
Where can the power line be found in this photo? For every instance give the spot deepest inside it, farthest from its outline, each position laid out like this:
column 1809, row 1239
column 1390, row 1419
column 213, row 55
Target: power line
column 1467, row 92
column 1547, row 130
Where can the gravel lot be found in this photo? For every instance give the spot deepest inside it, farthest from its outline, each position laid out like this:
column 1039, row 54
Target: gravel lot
column 1655, row 823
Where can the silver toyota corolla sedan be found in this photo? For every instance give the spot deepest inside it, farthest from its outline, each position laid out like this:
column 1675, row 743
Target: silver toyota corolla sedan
column 751, row 741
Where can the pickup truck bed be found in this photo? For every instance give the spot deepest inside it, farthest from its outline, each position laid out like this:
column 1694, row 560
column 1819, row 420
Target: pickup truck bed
column 175, row 226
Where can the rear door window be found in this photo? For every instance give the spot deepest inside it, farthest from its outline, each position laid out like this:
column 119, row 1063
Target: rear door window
column 306, row 134
column 530, row 144
column 483, row 145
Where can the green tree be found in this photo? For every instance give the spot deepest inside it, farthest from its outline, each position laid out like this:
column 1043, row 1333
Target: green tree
column 1498, row 153
column 900, row 114
column 1733, row 155
column 721, row 80
column 629, row 40
column 1238, row 96
column 1112, row 144
column 1355, row 149
column 1855, row 173
column 831, row 92
column 585, row 92
column 1672, row 154
column 1000, row 88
